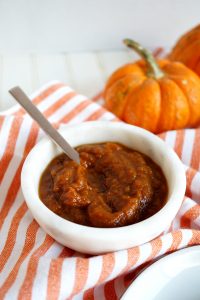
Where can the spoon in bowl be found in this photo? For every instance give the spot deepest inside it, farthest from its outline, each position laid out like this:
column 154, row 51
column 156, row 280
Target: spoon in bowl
column 34, row 112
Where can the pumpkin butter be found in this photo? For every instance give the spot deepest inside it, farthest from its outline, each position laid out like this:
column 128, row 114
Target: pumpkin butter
column 113, row 186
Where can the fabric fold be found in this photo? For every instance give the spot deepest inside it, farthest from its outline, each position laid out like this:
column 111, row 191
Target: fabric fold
column 32, row 264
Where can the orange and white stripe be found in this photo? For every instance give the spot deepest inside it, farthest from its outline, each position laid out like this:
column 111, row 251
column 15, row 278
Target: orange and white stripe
column 32, row 264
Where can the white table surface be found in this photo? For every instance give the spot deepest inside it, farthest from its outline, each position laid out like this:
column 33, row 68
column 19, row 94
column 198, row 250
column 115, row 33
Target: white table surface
column 86, row 72
column 44, row 36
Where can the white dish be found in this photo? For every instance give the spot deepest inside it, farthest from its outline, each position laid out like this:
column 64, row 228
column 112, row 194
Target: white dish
column 100, row 240
column 175, row 276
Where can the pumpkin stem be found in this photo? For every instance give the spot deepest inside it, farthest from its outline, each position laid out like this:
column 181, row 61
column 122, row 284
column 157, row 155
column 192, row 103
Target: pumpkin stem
column 153, row 68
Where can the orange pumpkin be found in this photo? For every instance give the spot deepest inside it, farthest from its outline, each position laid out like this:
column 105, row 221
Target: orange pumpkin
column 157, row 96
column 187, row 50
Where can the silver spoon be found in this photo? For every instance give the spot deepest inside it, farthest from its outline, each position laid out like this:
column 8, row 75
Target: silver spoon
column 34, row 112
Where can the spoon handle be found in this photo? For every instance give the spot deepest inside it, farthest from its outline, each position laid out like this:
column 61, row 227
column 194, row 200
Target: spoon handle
column 34, row 112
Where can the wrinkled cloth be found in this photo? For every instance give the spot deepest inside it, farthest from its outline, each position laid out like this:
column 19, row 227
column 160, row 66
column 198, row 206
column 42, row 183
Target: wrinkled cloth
column 32, row 264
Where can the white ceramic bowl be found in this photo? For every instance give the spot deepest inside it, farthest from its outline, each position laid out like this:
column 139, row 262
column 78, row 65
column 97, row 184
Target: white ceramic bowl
column 100, row 240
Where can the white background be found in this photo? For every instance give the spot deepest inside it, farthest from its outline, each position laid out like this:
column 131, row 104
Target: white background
column 79, row 42
column 68, row 25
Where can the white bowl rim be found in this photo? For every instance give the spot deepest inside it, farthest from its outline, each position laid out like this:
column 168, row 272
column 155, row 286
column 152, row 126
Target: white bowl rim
column 105, row 233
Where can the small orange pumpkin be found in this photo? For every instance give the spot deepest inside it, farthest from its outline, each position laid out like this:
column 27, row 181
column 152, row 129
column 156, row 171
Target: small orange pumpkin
column 187, row 50
column 157, row 96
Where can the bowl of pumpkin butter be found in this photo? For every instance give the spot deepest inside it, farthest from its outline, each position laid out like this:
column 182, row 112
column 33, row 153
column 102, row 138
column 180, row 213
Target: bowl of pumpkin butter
column 126, row 190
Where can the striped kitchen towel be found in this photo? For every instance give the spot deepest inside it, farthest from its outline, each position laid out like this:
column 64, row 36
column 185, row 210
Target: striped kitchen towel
column 32, row 264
